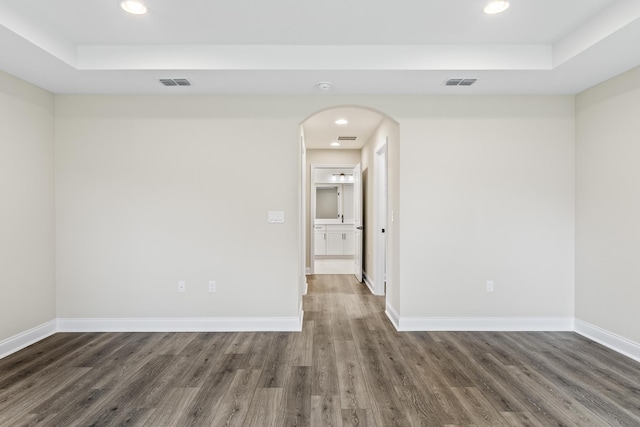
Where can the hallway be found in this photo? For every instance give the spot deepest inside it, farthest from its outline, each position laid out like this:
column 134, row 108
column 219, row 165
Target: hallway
column 347, row 367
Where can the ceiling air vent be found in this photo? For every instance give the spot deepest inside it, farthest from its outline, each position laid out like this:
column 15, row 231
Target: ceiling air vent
column 175, row 82
column 347, row 138
column 460, row 82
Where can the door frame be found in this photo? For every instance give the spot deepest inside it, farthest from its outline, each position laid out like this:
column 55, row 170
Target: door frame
column 302, row 218
column 380, row 196
column 312, row 207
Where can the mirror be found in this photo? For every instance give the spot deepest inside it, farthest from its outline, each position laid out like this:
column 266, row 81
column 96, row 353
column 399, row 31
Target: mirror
column 327, row 202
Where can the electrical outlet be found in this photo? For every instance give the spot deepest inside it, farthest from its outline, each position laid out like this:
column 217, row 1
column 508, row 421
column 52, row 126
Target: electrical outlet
column 212, row 285
column 182, row 286
column 489, row 285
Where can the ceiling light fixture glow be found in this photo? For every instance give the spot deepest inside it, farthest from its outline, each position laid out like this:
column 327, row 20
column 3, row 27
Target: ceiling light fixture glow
column 134, row 7
column 335, row 144
column 341, row 122
column 496, row 6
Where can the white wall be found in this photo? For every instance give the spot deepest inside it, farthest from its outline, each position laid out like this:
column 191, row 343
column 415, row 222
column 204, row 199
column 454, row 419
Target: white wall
column 27, row 287
column 608, row 206
column 152, row 190
column 487, row 193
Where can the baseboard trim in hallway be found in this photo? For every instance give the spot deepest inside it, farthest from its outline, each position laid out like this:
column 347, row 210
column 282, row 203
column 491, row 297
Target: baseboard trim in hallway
column 393, row 316
column 369, row 282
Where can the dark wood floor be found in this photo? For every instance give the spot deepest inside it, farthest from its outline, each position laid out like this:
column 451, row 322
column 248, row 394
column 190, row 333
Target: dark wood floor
column 347, row 367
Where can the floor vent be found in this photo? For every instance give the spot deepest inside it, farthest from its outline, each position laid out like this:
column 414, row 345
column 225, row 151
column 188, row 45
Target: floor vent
column 175, row 82
column 460, row 82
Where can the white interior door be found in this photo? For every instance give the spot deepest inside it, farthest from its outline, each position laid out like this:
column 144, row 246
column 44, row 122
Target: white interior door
column 357, row 212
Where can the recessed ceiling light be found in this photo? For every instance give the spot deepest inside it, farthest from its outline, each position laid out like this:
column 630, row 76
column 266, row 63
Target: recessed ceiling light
column 134, row 7
column 496, row 6
column 342, row 122
column 335, row 144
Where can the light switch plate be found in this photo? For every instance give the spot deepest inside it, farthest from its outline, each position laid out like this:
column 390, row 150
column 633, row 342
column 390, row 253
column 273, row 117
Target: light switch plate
column 275, row 217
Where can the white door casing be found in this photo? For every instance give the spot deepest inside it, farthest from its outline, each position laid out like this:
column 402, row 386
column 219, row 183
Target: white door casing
column 302, row 218
column 380, row 218
column 358, row 229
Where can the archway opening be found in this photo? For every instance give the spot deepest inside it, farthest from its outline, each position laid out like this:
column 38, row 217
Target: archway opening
column 332, row 141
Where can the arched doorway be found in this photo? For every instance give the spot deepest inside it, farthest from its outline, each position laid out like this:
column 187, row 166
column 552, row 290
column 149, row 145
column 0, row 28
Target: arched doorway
column 364, row 135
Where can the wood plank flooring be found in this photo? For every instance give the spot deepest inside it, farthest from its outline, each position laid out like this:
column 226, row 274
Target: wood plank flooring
column 348, row 367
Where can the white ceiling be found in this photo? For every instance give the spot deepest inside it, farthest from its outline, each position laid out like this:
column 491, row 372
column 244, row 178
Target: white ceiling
column 320, row 130
column 286, row 46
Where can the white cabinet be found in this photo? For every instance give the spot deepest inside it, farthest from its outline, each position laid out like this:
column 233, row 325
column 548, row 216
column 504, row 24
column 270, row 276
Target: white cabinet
column 335, row 242
column 332, row 239
column 319, row 240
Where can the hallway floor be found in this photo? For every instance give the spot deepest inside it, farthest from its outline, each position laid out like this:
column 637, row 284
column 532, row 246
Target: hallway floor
column 333, row 266
column 347, row 367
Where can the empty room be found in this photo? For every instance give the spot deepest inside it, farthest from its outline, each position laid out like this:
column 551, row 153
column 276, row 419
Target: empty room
column 319, row 214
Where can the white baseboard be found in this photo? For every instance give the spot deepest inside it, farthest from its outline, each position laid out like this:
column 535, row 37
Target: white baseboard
column 484, row 323
column 288, row 324
column 190, row 324
column 24, row 339
column 307, row 270
column 393, row 316
column 368, row 282
column 608, row 339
